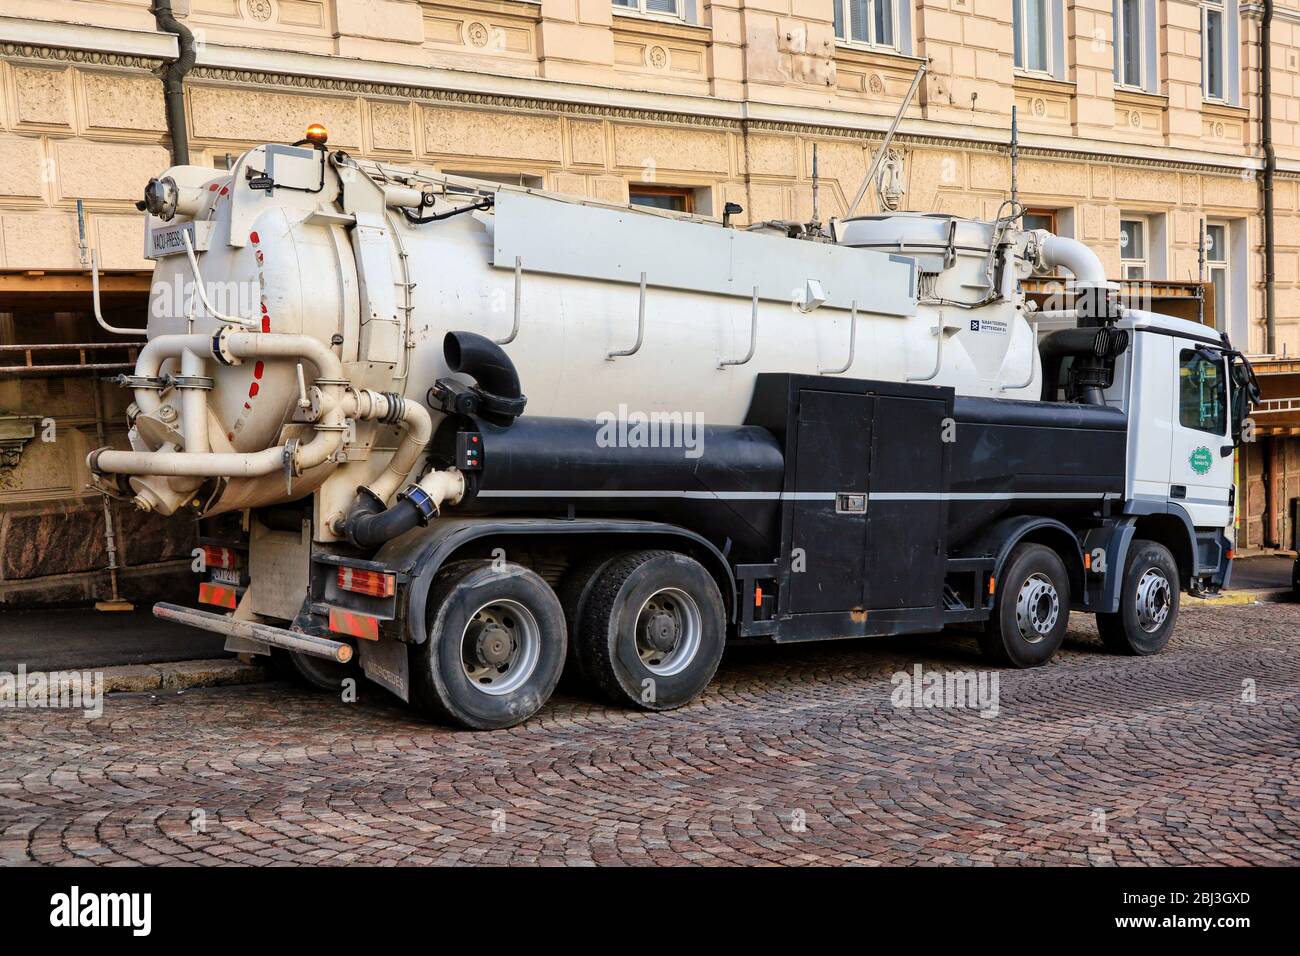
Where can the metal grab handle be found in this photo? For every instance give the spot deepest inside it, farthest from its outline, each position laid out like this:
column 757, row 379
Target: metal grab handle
column 938, row 359
column 99, row 313
column 519, row 297
column 1029, row 381
column 753, row 337
column 640, row 328
column 853, row 344
column 203, row 295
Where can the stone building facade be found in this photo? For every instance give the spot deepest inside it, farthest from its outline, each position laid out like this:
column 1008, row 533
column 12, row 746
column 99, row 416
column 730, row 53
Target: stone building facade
column 1139, row 133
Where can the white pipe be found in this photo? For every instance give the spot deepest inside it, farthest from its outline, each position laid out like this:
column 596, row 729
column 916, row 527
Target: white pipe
column 194, row 405
column 1082, row 262
column 419, row 429
column 203, row 294
column 444, row 487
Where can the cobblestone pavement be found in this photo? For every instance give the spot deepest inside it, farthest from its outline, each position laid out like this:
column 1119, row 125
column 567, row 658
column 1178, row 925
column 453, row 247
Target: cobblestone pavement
column 795, row 755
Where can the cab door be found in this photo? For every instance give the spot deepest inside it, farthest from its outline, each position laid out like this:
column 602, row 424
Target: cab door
column 1201, row 462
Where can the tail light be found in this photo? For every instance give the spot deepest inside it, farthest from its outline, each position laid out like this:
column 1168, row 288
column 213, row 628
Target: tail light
column 218, row 557
column 370, row 583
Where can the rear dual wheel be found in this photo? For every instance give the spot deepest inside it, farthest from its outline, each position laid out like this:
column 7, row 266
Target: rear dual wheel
column 649, row 630
column 495, row 647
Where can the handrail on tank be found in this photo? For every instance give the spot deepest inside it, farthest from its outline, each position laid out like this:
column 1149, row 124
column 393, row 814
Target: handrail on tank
column 99, row 313
column 853, row 344
column 203, row 294
column 938, row 358
column 1033, row 350
column 519, row 294
column 753, row 337
column 640, row 328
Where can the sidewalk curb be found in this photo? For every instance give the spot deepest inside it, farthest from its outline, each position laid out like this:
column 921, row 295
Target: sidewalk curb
column 1240, row 598
column 180, row 675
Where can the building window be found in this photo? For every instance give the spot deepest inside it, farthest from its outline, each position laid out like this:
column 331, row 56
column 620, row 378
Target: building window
column 1041, row 219
column 1130, row 41
column 662, row 8
column 673, row 198
column 1032, row 23
column 1214, row 50
column 1134, row 248
column 1218, row 270
column 873, row 22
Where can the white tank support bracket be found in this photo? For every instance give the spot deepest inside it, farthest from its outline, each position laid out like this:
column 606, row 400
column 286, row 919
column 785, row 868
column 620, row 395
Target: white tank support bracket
column 853, row 345
column 519, row 298
column 753, row 336
column 938, row 358
column 640, row 328
column 1004, row 387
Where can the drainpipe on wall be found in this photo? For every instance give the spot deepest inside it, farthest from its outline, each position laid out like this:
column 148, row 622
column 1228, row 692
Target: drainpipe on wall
column 174, row 80
column 1270, row 169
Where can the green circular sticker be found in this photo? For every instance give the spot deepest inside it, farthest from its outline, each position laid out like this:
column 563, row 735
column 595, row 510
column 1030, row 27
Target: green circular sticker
column 1201, row 461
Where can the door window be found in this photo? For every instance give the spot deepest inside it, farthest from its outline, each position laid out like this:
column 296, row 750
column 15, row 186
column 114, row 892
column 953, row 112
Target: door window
column 1202, row 392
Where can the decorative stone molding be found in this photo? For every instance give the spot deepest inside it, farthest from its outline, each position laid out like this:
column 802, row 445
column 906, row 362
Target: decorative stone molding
column 88, row 57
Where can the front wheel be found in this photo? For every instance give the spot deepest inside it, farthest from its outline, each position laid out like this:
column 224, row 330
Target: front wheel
column 495, row 648
column 1032, row 610
column 1148, row 603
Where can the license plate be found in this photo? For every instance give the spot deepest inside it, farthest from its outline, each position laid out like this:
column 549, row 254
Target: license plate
column 226, row 576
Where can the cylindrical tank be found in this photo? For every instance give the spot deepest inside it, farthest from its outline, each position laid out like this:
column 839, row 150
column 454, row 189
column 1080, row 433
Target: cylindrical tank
column 313, row 244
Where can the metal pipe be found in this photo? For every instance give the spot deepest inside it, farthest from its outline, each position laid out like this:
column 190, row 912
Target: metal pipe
column 938, row 358
column 883, row 151
column 753, row 336
column 174, row 80
column 640, row 328
column 203, row 294
column 519, row 299
column 308, row 644
column 194, row 403
column 99, row 314
column 1270, row 170
column 853, row 344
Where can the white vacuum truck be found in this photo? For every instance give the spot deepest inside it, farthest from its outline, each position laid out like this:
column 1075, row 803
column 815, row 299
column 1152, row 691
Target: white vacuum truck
column 467, row 437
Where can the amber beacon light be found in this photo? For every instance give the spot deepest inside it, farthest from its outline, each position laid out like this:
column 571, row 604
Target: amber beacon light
column 317, row 134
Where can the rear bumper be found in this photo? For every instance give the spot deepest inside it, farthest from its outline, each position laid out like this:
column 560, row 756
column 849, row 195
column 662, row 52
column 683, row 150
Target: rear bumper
column 321, row 647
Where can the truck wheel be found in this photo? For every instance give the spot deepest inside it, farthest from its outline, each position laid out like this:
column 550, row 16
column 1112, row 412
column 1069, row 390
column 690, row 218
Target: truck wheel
column 573, row 592
column 1148, row 603
column 652, row 631
column 495, row 648
column 1032, row 610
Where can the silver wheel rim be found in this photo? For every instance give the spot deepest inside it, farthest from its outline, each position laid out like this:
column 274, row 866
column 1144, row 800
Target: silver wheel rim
column 500, row 647
column 1154, row 599
column 668, row 632
column 1038, row 607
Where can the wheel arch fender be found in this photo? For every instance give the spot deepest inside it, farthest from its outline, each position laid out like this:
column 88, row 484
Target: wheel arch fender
column 421, row 553
column 1003, row 537
column 1170, row 524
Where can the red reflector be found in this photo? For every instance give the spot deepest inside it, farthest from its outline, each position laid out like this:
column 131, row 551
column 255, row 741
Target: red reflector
column 215, row 557
column 354, row 625
column 215, row 594
column 371, row 583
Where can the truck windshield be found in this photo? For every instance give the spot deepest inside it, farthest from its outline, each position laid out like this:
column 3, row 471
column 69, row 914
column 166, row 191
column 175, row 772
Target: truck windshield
column 1202, row 392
